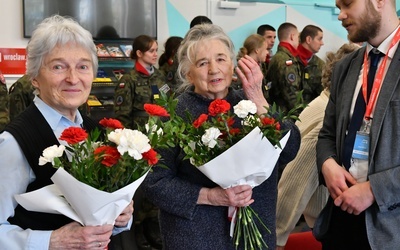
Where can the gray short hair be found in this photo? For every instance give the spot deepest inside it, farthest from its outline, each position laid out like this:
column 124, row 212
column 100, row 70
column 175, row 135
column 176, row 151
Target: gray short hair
column 51, row 32
column 189, row 46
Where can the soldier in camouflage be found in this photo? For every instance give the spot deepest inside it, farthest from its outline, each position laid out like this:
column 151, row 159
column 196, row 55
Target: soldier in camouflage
column 269, row 34
column 311, row 41
column 142, row 85
column 4, row 115
column 168, row 63
column 284, row 76
column 21, row 96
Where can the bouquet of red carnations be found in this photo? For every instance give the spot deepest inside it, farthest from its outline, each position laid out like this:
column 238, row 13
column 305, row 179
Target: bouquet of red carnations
column 98, row 173
column 216, row 147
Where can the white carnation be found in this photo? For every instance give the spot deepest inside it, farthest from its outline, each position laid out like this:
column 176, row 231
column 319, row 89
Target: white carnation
column 115, row 136
column 50, row 153
column 134, row 142
column 244, row 107
column 210, row 137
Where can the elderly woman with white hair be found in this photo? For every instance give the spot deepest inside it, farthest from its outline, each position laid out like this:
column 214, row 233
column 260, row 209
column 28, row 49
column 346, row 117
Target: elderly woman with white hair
column 62, row 63
column 194, row 209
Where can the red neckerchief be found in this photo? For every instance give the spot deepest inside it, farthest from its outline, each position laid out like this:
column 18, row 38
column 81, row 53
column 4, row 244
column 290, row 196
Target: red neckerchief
column 289, row 47
column 304, row 54
column 268, row 58
column 139, row 68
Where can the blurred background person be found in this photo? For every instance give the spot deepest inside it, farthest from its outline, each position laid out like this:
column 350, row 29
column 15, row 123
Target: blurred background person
column 168, row 63
column 199, row 20
column 269, row 34
column 299, row 191
column 62, row 63
column 4, row 103
column 256, row 47
column 284, row 76
column 141, row 85
column 21, row 96
column 311, row 41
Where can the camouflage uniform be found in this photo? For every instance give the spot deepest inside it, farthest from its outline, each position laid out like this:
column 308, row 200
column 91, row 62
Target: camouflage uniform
column 4, row 116
column 169, row 72
column 265, row 86
column 21, row 96
column 132, row 92
column 237, row 83
column 311, row 78
column 283, row 79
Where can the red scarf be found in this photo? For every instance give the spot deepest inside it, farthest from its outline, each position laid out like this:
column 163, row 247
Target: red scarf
column 304, row 54
column 289, row 47
column 268, row 58
column 139, row 68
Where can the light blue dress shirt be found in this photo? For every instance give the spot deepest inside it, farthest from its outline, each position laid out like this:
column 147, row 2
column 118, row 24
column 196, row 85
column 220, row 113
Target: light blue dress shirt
column 16, row 174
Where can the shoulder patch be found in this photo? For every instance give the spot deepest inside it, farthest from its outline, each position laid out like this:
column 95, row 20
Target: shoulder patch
column 119, row 100
column 291, row 77
column 121, row 85
column 170, row 76
column 289, row 62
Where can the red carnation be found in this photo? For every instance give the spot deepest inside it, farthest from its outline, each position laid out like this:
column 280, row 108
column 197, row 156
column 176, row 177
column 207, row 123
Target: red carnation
column 202, row 118
column 218, row 106
column 73, row 135
column 234, row 131
column 110, row 155
column 111, row 123
column 278, row 126
column 151, row 157
column 155, row 110
column 268, row 121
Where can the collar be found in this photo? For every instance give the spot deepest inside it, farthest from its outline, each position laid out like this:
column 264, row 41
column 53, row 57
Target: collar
column 384, row 46
column 304, row 54
column 289, row 47
column 54, row 118
column 141, row 69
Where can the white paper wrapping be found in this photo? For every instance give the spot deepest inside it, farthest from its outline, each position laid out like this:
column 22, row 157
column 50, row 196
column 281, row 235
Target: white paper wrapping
column 82, row 202
column 250, row 161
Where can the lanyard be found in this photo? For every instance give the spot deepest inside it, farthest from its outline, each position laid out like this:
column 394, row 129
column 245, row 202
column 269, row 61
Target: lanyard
column 378, row 78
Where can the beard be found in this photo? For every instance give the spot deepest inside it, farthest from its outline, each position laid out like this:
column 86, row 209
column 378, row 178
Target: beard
column 370, row 21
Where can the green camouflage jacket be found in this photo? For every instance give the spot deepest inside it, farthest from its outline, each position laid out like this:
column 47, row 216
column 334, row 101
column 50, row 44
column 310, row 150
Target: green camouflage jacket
column 132, row 92
column 4, row 116
column 311, row 78
column 237, row 83
column 21, row 96
column 283, row 79
column 169, row 72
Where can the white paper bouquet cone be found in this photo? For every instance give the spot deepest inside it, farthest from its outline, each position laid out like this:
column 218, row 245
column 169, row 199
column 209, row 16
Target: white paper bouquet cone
column 250, row 161
column 82, row 202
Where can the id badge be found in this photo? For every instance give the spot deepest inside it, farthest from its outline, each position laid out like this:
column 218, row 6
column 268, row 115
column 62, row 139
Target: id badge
column 361, row 146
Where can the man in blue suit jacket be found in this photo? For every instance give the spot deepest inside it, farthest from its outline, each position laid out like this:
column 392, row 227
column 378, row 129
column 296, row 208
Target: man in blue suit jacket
column 366, row 211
